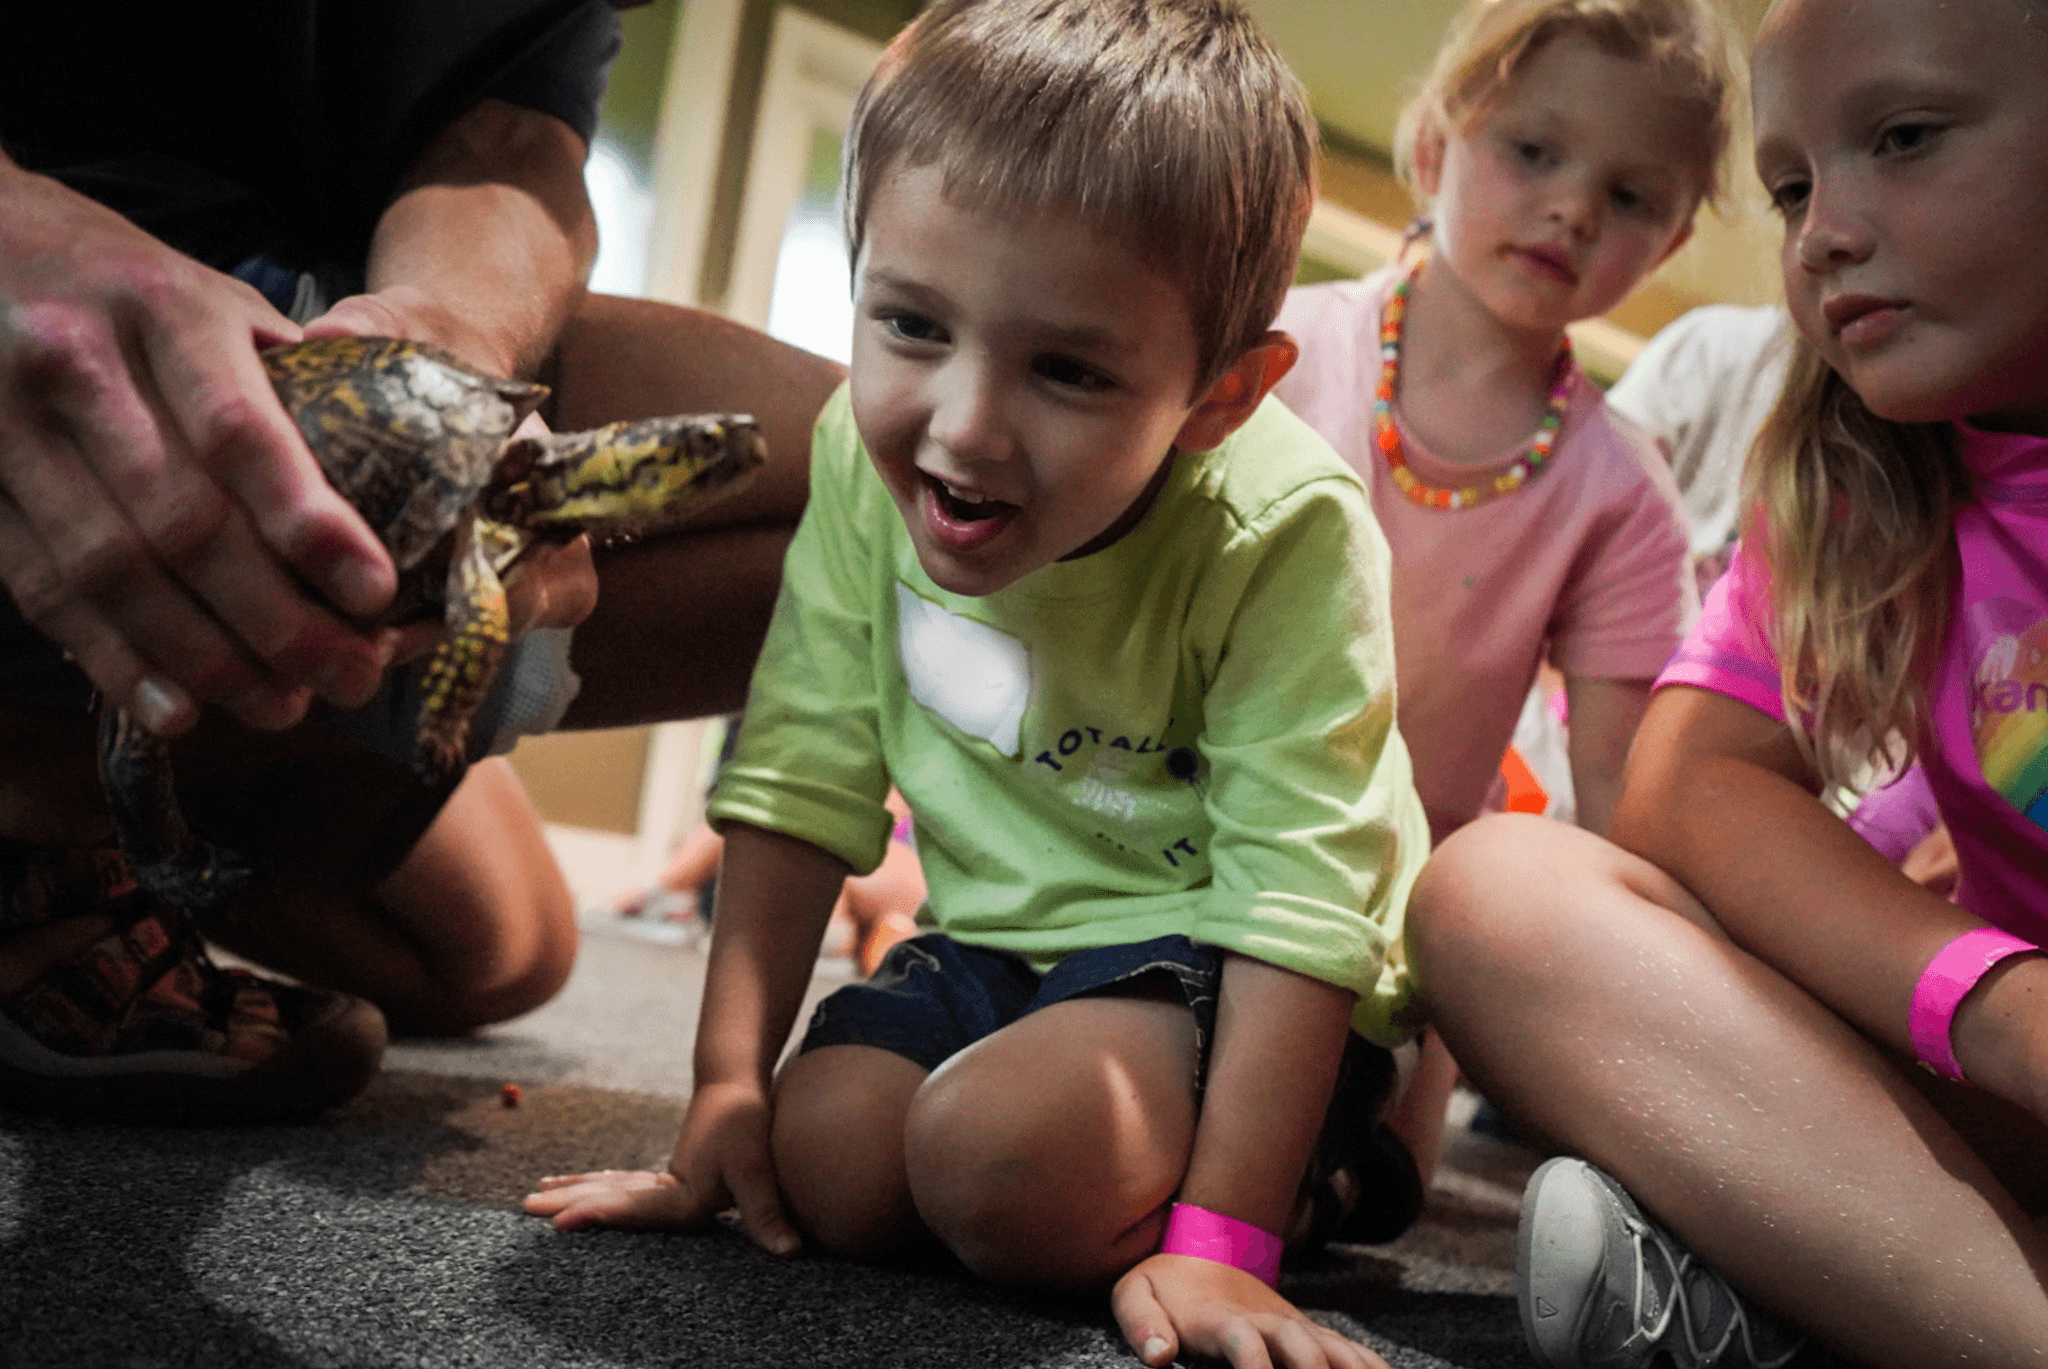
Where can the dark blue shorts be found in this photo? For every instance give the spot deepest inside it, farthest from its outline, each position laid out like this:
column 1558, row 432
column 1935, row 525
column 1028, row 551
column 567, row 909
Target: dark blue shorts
column 933, row 997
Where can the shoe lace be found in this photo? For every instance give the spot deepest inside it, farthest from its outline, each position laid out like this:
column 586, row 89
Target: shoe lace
column 1684, row 1269
column 1647, row 1238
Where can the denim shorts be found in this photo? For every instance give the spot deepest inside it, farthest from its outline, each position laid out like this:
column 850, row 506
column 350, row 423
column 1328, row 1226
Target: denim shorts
column 933, row 997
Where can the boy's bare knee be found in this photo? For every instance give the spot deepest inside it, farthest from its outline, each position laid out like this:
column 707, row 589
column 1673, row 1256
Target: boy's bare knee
column 997, row 1208
column 1027, row 1191
column 837, row 1140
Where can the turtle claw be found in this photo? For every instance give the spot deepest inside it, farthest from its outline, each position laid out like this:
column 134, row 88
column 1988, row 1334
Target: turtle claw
column 439, row 754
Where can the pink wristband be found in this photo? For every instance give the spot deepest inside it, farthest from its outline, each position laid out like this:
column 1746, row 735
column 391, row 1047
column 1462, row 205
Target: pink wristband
column 1943, row 986
column 1207, row 1235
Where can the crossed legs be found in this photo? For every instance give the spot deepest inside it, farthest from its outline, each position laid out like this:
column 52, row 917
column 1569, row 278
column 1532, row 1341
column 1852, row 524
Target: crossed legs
column 1595, row 1000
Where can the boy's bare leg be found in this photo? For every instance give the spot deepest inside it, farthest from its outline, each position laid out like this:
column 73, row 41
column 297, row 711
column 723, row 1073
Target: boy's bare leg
column 1592, row 997
column 1043, row 1154
column 1417, row 1112
column 475, row 925
column 837, row 1140
column 1046, row 1153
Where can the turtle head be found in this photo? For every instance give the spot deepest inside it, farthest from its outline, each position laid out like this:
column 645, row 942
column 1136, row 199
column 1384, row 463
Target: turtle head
column 624, row 479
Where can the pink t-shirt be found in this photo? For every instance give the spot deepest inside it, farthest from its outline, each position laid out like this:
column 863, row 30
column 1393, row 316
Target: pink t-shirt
column 1587, row 561
column 1988, row 767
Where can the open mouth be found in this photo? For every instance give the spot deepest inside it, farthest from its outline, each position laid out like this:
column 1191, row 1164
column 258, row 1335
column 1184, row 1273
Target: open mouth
column 965, row 506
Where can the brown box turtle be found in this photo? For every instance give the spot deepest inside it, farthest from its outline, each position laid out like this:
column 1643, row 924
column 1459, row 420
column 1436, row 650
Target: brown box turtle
column 420, row 444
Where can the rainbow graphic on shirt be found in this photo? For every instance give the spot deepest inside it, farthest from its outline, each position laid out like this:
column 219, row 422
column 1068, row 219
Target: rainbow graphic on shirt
column 2009, row 701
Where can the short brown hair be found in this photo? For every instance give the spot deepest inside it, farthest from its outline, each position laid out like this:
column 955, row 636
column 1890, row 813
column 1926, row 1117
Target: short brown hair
column 1174, row 121
column 1491, row 40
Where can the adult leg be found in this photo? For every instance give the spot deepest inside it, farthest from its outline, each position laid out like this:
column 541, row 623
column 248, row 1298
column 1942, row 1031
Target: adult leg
column 475, row 925
column 1047, row 1152
column 680, row 619
column 1594, row 999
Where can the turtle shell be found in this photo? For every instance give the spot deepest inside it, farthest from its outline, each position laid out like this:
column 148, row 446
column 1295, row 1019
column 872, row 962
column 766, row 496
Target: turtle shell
column 408, row 433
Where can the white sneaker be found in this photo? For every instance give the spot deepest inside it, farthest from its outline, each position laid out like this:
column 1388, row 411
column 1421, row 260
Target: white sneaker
column 1602, row 1286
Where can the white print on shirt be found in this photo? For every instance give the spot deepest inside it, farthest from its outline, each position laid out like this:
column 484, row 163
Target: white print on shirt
column 1102, row 790
column 1106, row 800
column 974, row 676
column 2008, row 645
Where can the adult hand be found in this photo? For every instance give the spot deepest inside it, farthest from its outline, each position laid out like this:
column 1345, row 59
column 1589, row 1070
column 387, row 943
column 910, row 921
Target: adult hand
column 556, row 586
column 1173, row 1305
column 159, row 515
column 721, row 1160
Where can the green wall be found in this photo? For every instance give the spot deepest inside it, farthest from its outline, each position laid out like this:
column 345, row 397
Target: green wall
column 632, row 103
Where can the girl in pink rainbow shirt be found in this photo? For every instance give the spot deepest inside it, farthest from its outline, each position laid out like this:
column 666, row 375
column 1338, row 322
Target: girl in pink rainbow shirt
column 1728, row 1010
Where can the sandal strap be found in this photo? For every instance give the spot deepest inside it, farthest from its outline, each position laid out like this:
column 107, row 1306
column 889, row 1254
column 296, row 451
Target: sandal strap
column 85, row 1005
column 43, row 884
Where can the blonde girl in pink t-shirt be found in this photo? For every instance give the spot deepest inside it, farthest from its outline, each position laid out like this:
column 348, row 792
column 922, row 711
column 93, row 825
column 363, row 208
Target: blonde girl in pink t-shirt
column 1728, row 1010
column 1560, row 149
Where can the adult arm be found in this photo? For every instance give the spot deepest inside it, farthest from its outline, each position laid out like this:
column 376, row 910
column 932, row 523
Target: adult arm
column 1604, row 717
column 1718, row 796
column 1279, row 1037
column 486, row 245
column 484, row 251
column 156, row 503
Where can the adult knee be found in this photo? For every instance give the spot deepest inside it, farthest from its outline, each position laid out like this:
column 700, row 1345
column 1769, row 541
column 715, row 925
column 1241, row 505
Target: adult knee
column 516, row 962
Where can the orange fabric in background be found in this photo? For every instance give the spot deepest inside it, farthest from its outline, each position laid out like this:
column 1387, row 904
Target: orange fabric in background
column 1525, row 792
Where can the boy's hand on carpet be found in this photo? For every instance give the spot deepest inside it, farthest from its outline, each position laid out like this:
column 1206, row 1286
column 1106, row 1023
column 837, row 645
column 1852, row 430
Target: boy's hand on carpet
column 612, row 1197
column 721, row 1161
column 722, row 1157
column 1172, row 1305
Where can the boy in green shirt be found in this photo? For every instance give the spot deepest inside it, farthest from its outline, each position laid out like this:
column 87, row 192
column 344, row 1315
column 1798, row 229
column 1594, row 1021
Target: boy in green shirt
column 1117, row 629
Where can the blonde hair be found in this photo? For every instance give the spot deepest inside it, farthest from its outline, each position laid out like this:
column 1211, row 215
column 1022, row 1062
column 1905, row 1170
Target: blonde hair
column 1172, row 122
column 1856, row 517
column 1491, row 40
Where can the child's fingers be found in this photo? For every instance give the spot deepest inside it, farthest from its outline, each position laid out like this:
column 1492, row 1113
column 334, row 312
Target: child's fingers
column 611, row 1198
column 1143, row 1321
column 1345, row 1353
column 594, row 1176
column 761, row 1215
column 1294, row 1344
column 636, row 1206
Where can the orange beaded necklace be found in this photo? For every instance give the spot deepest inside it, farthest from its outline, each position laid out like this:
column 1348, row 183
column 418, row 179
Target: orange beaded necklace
column 1387, row 434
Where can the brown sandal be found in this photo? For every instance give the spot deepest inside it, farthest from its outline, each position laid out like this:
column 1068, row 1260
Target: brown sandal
column 142, row 1026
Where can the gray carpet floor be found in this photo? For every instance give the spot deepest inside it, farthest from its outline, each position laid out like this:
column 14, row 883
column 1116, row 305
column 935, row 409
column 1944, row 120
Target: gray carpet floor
column 389, row 1233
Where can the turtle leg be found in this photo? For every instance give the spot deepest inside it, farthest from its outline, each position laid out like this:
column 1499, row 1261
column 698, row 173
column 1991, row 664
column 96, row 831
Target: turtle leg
column 168, row 860
column 467, row 660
